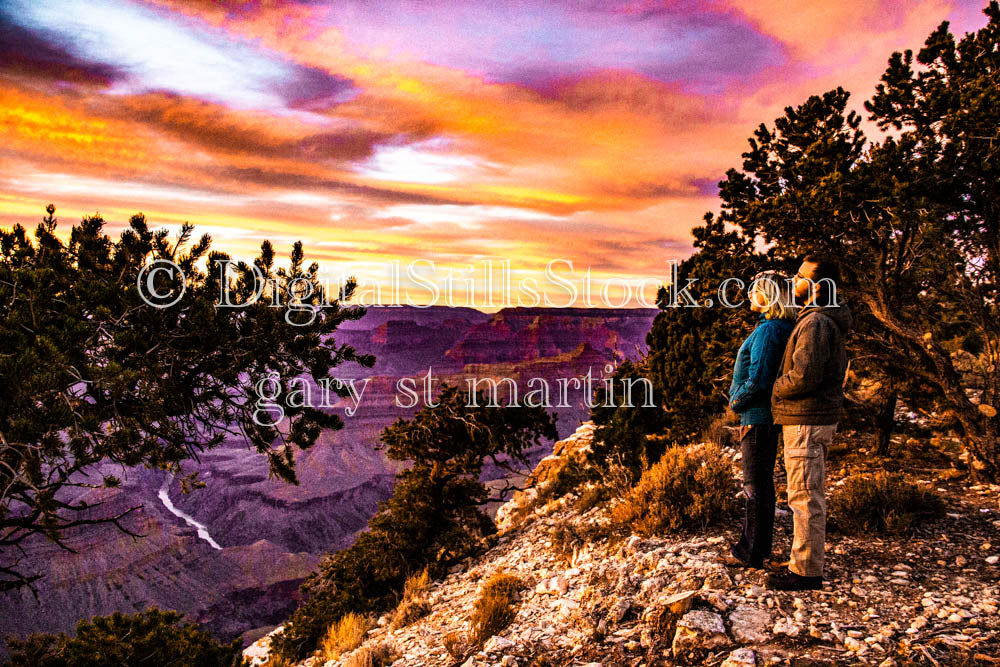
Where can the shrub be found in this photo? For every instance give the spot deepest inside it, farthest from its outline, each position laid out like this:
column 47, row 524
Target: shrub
column 720, row 430
column 409, row 611
column 571, row 476
column 571, row 538
column 494, row 610
column 592, row 497
column 492, row 614
column 882, row 502
column 456, row 645
column 688, row 488
column 413, row 605
column 566, row 538
column 622, row 432
column 381, row 655
column 434, row 517
column 617, row 476
column 503, row 584
column 364, row 578
column 416, row 585
column 148, row 639
column 568, row 478
column 343, row 636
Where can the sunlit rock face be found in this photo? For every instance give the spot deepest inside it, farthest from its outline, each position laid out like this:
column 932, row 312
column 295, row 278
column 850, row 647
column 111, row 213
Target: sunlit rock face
column 525, row 334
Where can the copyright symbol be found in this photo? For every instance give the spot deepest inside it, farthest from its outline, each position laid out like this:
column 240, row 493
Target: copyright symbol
column 147, row 283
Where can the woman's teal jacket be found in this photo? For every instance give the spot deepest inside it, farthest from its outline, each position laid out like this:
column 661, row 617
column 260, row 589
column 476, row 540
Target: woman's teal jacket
column 757, row 365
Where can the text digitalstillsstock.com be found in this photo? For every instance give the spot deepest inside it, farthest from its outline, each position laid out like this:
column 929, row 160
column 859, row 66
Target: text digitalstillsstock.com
column 298, row 294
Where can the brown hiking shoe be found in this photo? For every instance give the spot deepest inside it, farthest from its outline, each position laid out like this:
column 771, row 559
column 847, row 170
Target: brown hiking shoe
column 731, row 559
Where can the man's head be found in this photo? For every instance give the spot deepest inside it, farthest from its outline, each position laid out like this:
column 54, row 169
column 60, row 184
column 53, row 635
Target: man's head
column 817, row 280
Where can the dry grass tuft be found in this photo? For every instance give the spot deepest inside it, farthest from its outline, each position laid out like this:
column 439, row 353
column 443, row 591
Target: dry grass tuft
column 456, row 645
column 414, row 604
column 343, row 636
column 882, row 502
column 688, row 488
column 381, row 655
column 494, row 610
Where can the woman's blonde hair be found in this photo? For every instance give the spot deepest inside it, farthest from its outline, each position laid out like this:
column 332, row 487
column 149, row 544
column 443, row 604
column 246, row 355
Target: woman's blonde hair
column 776, row 290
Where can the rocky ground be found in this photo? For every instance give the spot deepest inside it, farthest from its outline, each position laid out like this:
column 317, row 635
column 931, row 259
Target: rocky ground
column 591, row 597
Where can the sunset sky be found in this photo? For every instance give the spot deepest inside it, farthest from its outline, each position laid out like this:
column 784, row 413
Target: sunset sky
column 452, row 132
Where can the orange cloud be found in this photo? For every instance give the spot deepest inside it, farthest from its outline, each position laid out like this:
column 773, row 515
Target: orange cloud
column 607, row 166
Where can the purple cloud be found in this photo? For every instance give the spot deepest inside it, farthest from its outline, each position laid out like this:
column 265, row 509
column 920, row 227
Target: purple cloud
column 36, row 55
column 533, row 43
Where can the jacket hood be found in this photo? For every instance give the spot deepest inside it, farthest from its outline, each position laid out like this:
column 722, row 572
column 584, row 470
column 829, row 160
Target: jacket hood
column 841, row 315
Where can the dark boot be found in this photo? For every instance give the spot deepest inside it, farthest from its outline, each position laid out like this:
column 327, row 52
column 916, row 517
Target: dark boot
column 789, row 581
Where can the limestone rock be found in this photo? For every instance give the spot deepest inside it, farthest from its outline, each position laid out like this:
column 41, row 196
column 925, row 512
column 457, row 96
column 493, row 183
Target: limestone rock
column 714, row 599
column 787, row 627
column 741, row 657
column 557, row 585
column 567, row 607
column 496, row 644
column 651, row 586
column 680, row 603
column 572, row 448
column 750, row 625
column 718, row 580
column 618, row 611
column 699, row 630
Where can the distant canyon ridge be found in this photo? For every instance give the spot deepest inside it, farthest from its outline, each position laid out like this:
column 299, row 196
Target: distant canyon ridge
column 232, row 555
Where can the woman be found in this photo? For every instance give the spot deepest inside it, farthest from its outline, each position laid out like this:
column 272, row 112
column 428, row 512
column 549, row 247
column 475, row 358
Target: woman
column 757, row 365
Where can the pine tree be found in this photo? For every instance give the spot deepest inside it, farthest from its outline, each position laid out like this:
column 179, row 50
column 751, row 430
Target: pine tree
column 692, row 350
column 434, row 517
column 914, row 220
column 948, row 112
column 151, row 638
column 91, row 372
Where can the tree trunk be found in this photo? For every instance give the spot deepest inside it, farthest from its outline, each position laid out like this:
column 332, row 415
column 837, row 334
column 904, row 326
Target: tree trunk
column 982, row 441
column 886, row 422
column 981, row 431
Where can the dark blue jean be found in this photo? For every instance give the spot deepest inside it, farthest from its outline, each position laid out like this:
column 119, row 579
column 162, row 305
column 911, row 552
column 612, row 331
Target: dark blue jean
column 759, row 446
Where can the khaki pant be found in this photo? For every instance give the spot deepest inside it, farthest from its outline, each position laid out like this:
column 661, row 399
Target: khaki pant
column 805, row 464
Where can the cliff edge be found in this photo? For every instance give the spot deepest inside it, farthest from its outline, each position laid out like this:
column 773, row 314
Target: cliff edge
column 589, row 597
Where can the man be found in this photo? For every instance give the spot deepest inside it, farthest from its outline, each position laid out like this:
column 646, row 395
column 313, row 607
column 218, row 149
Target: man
column 806, row 402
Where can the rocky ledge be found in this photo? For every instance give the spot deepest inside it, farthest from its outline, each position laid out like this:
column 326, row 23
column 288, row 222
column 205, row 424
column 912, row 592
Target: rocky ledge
column 597, row 599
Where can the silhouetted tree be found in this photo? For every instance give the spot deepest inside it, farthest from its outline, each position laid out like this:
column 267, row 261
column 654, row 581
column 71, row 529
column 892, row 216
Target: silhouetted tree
column 91, row 372
column 914, row 219
column 151, row 638
column 692, row 349
column 434, row 516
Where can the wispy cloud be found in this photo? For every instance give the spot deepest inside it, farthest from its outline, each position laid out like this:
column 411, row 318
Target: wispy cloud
column 139, row 49
column 591, row 131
